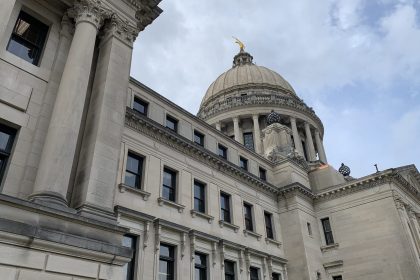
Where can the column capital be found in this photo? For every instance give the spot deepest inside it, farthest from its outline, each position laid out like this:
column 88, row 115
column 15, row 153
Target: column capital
column 66, row 27
column 255, row 116
column 91, row 11
column 121, row 29
column 235, row 119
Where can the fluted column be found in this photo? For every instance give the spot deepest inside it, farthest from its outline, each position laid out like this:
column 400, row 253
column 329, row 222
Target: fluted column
column 296, row 137
column 309, row 142
column 56, row 162
column 219, row 126
column 257, row 134
column 236, row 129
column 320, row 147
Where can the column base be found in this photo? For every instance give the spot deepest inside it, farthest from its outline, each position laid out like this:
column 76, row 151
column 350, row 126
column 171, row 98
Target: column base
column 51, row 199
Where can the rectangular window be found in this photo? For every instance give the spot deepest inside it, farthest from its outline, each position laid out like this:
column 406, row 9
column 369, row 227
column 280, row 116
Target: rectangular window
column 229, row 270
column 338, row 277
column 130, row 241
column 309, row 228
column 199, row 138
column 166, row 262
column 249, row 140
column 222, row 151
column 169, row 184
column 263, row 174
column 276, row 276
column 248, row 217
column 200, row 266
column 326, row 226
column 254, row 273
column 28, row 38
column 7, row 137
column 225, row 207
column 268, row 218
column 199, row 197
column 133, row 171
column 140, row 106
column 243, row 163
column 172, row 123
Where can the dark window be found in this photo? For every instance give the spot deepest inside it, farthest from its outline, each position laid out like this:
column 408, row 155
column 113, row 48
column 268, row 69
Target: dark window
column 263, row 174
column 129, row 268
column 248, row 217
column 243, row 163
column 172, row 123
column 338, row 277
column 229, row 270
column 268, row 218
column 309, row 228
column 254, row 273
column 199, row 197
column 222, row 151
column 7, row 136
column 276, row 276
column 28, row 38
column 169, row 184
column 225, row 207
column 166, row 262
column 133, row 171
column 140, row 106
column 329, row 239
column 249, row 140
column 199, row 138
column 200, row 266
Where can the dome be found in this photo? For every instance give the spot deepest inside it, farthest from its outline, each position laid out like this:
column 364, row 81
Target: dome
column 245, row 74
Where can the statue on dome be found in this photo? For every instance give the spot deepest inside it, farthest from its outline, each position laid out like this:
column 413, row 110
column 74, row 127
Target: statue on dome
column 241, row 45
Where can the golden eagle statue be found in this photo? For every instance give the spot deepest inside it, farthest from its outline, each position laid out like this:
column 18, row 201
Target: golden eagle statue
column 241, row 45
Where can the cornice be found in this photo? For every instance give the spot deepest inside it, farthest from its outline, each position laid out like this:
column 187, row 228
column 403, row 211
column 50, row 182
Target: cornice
column 147, row 12
column 296, row 188
column 156, row 131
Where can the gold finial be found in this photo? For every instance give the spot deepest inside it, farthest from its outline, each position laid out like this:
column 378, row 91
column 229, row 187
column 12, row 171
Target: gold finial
column 241, row 45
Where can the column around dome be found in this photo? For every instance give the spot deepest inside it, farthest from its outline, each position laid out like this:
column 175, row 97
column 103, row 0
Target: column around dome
column 257, row 136
column 309, row 143
column 320, row 147
column 296, row 137
column 219, row 126
column 236, row 129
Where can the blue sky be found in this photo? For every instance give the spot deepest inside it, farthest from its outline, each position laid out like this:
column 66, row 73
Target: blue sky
column 356, row 62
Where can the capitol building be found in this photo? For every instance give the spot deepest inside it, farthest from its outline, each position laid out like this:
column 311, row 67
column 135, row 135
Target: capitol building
column 103, row 178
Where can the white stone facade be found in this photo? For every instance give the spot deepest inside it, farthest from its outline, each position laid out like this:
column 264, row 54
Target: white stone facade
column 67, row 203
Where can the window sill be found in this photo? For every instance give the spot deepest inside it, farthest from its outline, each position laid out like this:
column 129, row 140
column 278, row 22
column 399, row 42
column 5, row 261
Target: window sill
column 123, row 188
column 163, row 201
column 195, row 213
column 272, row 241
column 252, row 233
column 229, row 225
column 329, row 247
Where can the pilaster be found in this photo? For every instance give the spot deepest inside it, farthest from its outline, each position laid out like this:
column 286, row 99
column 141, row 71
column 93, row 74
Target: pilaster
column 309, row 143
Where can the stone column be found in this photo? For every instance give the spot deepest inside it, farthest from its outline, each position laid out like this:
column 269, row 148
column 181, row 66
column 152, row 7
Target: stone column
column 97, row 169
column 257, row 134
column 218, row 126
column 5, row 13
column 296, row 137
column 320, row 147
column 236, row 129
column 56, row 162
column 310, row 143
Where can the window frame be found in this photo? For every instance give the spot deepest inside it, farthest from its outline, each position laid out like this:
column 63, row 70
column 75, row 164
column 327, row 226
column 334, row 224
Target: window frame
column 170, row 259
column 200, row 135
column 174, row 182
column 203, row 199
column 246, row 134
column 174, row 120
column 262, row 171
column 257, row 270
column 276, row 276
column 229, row 207
column 6, row 153
column 248, row 217
column 139, row 175
column 142, row 102
column 270, row 234
column 243, row 163
column 231, row 274
column 223, row 148
column 328, row 234
column 132, row 269
column 201, row 267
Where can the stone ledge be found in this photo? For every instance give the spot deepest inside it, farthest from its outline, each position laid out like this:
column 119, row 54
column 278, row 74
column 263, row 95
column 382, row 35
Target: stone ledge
column 123, row 188
column 272, row 241
column 333, row 264
column 252, row 233
column 329, row 247
column 163, row 201
column 195, row 213
column 229, row 225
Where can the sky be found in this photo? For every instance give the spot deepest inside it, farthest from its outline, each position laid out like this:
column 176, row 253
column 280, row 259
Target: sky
column 356, row 62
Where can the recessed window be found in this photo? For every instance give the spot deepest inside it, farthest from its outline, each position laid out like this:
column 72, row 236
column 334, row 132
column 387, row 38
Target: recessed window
column 130, row 241
column 308, row 225
column 243, row 163
column 254, row 273
column 133, row 171
column 7, row 136
column 140, row 106
column 249, row 140
column 199, row 138
column 268, row 219
column 171, row 123
column 229, row 270
column 225, row 207
column 338, row 277
column 28, row 38
column 169, row 184
column 326, row 226
column 166, row 262
column 200, row 265
column 222, row 151
column 263, row 174
column 276, row 276
column 248, row 217
column 199, row 196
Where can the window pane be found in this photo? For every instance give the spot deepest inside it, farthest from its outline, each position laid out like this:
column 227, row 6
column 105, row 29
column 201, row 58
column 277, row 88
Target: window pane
column 254, row 273
column 249, row 140
column 198, row 138
column 4, row 140
column 133, row 164
column 130, row 179
column 129, row 269
column 140, row 106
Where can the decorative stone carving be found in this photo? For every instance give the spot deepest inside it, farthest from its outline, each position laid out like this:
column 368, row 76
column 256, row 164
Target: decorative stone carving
column 121, row 29
column 91, row 11
column 183, row 243
column 192, row 245
column 146, row 233
column 273, row 117
column 344, row 170
column 214, row 252
column 277, row 141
